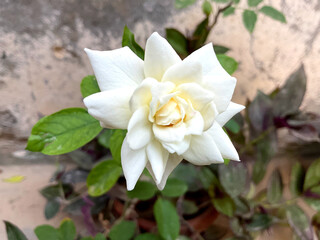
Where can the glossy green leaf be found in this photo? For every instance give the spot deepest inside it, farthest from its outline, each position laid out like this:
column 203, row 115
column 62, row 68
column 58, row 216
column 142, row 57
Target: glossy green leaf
column 260, row 221
column 128, row 40
column 13, row 232
column 228, row 63
column 47, row 232
column 249, row 19
column 102, row 177
column 167, row 219
column 207, row 8
column 67, row 230
column 183, row 3
column 147, row 236
column 174, row 188
column 233, row 178
column 63, row 132
column 200, row 35
column 218, row 49
column 297, row 179
column 254, row 3
column 229, row 11
column 273, row 13
column 313, row 175
column 89, row 86
column 143, row 190
column 275, row 187
column 115, row 144
column 178, row 41
column 122, row 231
column 52, row 208
column 104, row 137
column 224, row 205
column 232, row 126
column 100, row 236
column 299, row 221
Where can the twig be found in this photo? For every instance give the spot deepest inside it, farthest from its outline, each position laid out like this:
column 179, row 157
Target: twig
column 220, row 10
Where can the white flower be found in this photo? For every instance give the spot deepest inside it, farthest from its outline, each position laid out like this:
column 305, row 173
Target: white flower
column 173, row 109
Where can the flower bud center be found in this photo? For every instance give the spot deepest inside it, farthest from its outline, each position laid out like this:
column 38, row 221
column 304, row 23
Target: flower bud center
column 169, row 114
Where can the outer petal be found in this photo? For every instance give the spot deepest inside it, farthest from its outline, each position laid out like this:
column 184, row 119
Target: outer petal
column 133, row 162
column 223, row 142
column 110, row 107
column 118, row 68
column 158, row 157
column 209, row 113
column 173, row 161
column 232, row 110
column 159, row 56
column 222, row 88
column 139, row 129
column 203, row 151
column 169, row 134
column 184, row 72
column 208, row 60
column 195, row 124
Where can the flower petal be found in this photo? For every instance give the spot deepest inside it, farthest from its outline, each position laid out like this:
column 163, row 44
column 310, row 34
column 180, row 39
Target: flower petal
column 209, row 113
column 142, row 94
column 232, row 110
column 169, row 134
column 133, row 162
column 197, row 95
column 178, row 147
column 158, row 157
column 184, row 72
column 195, row 124
column 173, row 161
column 118, row 68
column 222, row 88
column 110, row 107
column 159, row 56
column 203, row 151
column 223, row 142
column 139, row 129
column 208, row 60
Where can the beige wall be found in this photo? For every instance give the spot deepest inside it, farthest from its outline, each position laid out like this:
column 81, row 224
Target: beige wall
column 43, row 62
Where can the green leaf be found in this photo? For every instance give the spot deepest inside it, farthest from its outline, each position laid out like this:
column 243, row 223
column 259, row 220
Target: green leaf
column 228, row 63
column 89, row 86
column 207, row 177
column 128, row 40
column 299, row 221
column 174, row 188
column 102, row 177
column 104, row 137
column 297, row 179
column 47, row 232
column 275, row 187
column 207, row 8
column 167, row 219
column 233, row 178
column 115, row 144
column 229, row 11
column 260, row 221
column 254, row 3
column 99, row 236
column 178, row 41
column 221, row 1
column 183, row 3
column 13, row 232
column 122, row 231
column 14, row 179
column 143, row 190
column 289, row 98
column 313, row 175
column 63, row 132
column 67, row 230
column 249, row 19
column 315, row 223
column 218, row 49
column 187, row 173
column 52, row 208
column 147, row 236
column 224, row 205
column 82, row 159
column 54, row 191
column 232, row 126
column 200, row 35
column 189, row 207
column 273, row 13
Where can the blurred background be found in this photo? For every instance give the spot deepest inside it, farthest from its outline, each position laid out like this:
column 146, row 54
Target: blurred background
column 42, row 63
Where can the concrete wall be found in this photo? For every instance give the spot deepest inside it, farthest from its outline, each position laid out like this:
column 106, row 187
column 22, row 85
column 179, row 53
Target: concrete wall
column 42, row 60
